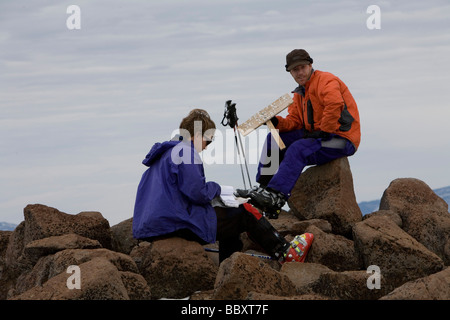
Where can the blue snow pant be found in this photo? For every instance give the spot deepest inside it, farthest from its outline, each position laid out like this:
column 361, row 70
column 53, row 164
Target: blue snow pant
column 280, row 169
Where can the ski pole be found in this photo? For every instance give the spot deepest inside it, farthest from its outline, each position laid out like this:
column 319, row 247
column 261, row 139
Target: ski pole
column 230, row 118
column 239, row 154
column 262, row 256
column 245, row 159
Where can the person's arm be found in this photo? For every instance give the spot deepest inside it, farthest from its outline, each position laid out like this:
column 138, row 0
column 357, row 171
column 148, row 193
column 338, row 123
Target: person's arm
column 192, row 183
column 293, row 120
column 333, row 103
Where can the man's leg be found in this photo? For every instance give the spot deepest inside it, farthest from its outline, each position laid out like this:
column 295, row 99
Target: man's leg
column 300, row 153
column 303, row 153
column 296, row 158
column 272, row 156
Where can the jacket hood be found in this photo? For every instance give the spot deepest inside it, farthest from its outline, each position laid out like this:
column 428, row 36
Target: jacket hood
column 158, row 150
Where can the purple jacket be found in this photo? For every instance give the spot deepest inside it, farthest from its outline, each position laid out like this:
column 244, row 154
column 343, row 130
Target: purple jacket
column 173, row 194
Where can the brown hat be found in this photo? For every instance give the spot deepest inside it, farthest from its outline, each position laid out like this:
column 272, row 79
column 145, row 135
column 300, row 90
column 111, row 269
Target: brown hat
column 297, row 57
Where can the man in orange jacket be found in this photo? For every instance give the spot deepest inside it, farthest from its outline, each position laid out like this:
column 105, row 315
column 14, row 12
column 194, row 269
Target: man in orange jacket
column 322, row 125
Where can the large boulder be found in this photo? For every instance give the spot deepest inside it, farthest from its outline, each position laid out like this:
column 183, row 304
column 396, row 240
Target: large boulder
column 122, row 236
column 424, row 215
column 348, row 285
column 241, row 274
column 42, row 222
column 99, row 279
column 42, row 247
column 4, row 240
column 334, row 251
column 174, row 267
column 49, row 266
column 326, row 192
column 304, row 275
column 381, row 242
column 288, row 224
column 432, row 287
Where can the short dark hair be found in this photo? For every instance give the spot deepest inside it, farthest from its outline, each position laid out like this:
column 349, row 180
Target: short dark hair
column 204, row 122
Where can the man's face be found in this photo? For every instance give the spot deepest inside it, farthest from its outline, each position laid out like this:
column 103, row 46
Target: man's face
column 301, row 73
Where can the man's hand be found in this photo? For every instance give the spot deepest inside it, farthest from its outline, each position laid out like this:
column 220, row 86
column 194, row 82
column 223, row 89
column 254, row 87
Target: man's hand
column 274, row 121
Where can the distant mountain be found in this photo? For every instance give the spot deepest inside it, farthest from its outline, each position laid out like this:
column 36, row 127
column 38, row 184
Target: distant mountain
column 6, row 226
column 371, row 206
column 444, row 193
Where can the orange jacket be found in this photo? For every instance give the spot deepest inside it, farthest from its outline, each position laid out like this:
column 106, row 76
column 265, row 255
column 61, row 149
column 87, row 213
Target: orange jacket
column 328, row 101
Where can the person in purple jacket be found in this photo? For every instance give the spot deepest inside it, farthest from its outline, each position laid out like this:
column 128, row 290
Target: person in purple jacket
column 174, row 200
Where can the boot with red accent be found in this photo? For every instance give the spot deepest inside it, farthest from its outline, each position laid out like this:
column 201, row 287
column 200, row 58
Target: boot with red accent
column 299, row 248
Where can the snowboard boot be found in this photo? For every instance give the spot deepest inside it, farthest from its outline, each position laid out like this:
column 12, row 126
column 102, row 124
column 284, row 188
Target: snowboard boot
column 299, row 248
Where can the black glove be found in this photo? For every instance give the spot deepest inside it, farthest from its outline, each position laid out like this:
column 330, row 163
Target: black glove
column 274, row 121
column 317, row 135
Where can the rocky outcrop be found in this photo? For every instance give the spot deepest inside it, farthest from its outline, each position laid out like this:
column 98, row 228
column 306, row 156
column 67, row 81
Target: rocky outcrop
column 424, row 215
column 379, row 241
column 241, row 274
column 175, row 267
column 44, row 231
column 432, row 287
column 398, row 252
column 326, row 192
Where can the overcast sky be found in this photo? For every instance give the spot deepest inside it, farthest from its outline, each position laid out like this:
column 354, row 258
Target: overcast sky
column 81, row 108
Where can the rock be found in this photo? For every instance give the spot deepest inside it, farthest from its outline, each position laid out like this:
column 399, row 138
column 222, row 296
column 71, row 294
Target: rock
column 424, row 215
column 408, row 239
column 174, row 267
column 12, row 263
column 99, row 280
column 13, row 259
column 326, row 192
column 401, row 258
column 122, row 236
column 52, row 265
column 394, row 216
column 4, row 240
column 288, row 223
column 42, row 222
column 304, row 275
column 348, row 285
column 38, row 248
column 240, row 274
column 405, row 195
column 135, row 285
column 334, row 251
column 432, row 287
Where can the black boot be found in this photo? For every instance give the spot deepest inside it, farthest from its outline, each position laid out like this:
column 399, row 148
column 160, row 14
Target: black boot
column 263, row 233
column 266, row 199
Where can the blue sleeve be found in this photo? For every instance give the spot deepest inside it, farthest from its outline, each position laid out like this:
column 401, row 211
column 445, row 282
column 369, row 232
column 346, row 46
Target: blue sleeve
column 191, row 181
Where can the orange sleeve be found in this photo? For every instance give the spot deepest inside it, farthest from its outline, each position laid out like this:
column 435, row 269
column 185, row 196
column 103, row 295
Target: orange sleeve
column 294, row 118
column 333, row 102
